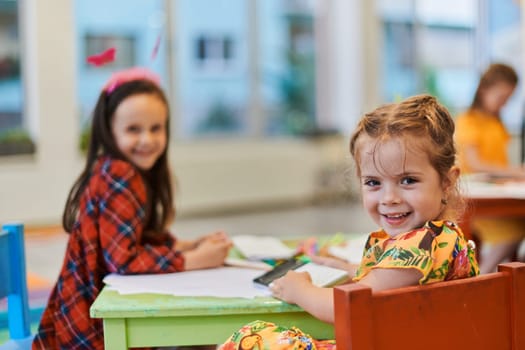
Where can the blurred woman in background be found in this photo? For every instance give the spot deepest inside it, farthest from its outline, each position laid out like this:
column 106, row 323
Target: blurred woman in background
column 482, row 141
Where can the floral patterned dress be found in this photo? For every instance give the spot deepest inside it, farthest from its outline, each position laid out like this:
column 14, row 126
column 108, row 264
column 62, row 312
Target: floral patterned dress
column 438, row 250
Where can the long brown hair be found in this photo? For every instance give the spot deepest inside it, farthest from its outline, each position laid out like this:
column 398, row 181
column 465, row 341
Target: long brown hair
column 494, row 74
column 160, row 209
column 420, row 116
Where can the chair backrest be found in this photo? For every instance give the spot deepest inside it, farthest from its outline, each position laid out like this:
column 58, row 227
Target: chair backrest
column 483, row 312
column 13, row 283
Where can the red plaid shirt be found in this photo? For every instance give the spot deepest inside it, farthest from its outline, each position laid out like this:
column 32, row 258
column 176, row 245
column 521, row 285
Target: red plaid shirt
column 106, row 238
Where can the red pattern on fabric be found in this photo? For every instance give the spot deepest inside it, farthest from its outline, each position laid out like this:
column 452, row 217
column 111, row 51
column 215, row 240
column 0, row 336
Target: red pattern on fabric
column 106, row 239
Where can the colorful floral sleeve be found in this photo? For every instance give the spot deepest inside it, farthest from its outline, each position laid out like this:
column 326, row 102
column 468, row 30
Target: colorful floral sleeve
column 121, row 207
column 438, row 250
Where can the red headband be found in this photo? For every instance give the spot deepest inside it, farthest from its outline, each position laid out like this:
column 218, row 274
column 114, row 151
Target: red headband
column 127, row 75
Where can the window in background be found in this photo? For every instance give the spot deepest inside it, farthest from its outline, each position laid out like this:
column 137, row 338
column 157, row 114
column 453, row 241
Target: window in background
column 14, row 136
column 212, row 67
column 430, row 46
column 133, row 28
column 214, row 52
column 287, row 51
column 245, row 68
column 238, row 68
column 124, row 45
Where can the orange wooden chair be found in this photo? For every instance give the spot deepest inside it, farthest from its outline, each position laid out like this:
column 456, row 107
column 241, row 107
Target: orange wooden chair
column 483, row 312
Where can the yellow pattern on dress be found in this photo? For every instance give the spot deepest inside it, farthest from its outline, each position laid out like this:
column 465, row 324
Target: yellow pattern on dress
column 438, row 250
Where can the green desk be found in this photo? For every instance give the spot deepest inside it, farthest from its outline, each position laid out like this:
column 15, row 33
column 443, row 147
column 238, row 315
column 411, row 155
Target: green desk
column 143, row 320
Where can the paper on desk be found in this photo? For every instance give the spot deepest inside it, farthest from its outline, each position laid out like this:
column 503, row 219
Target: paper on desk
column 227, row 282
column 351, row 250
column 254, row 247
column 509, row 189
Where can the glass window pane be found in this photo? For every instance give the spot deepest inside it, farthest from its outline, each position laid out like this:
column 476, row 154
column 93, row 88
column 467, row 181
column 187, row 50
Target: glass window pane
column 245, row 67
column 240, row 67
column 398, row 60
column 14, row 137
column 211, row 60
column 447, row 12
column 419, row 37
column 135, row 28
column 287, row 51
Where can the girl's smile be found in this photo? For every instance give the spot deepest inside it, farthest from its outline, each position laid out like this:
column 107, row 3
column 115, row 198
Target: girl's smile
column 139, row 128
column 401, row 189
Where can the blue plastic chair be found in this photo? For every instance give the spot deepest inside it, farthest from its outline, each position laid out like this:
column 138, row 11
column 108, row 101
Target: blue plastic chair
column 13, row 285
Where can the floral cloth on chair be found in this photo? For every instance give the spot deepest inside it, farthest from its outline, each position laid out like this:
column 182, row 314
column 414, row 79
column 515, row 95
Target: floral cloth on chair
column 261, row 335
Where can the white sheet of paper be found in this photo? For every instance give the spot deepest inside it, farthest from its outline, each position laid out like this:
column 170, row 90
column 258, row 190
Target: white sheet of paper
column 254, row 247
column 351, row 250
column 227, row 282
column 322, row 275
column 480, row 189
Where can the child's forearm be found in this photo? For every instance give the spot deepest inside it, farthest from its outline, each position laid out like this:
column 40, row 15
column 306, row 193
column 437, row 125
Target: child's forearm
column 319, row 302
column 184, row 245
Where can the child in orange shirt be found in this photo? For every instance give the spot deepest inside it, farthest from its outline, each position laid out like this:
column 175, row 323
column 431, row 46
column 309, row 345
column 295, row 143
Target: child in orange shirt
column 482, row 141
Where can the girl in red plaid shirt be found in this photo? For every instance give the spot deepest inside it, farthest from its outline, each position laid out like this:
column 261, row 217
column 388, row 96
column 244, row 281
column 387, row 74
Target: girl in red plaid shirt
column 118, row 210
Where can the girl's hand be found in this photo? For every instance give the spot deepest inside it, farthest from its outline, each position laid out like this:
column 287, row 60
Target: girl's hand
column 289, row 287
column 297, row 288
column 185, row 245
column 210, row 252
column 214, row 236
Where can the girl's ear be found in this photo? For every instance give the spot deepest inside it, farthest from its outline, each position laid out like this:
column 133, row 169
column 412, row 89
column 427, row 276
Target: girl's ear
column 451, row 179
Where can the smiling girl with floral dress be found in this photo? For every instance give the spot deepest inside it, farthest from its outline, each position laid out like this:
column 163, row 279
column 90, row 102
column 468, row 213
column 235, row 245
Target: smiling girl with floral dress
column 405, row 158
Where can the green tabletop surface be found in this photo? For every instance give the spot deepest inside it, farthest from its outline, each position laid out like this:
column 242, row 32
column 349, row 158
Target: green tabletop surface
column 110, row 304
column 162, row 320
column 144, row 320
